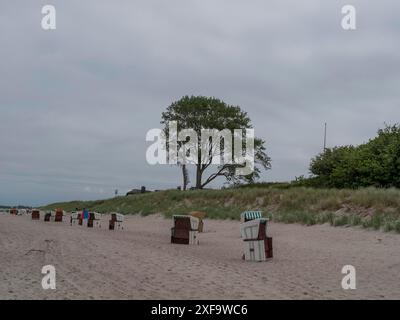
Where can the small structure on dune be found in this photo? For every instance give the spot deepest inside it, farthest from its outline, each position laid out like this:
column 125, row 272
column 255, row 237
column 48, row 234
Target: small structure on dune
column 137, row 191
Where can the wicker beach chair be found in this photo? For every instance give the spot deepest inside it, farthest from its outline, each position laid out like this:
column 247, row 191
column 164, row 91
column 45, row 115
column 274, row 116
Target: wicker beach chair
column 185, row 230
column 257, row 246
column 199, row 215
column 116, row 222
column 35, row 214
column 94, row 220
column 47, row 216
column 74, row 219
column 58, row 216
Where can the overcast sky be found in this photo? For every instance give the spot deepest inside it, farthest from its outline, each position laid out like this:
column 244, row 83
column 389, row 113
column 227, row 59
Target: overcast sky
column 76, row 103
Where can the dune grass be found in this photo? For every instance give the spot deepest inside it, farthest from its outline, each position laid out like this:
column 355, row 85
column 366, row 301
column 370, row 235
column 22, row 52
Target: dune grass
column 369, row 208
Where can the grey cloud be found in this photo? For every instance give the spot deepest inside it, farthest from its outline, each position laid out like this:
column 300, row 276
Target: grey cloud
column 76, row 103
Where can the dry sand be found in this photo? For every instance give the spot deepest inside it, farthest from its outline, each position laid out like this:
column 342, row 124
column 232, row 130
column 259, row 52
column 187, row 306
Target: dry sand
column 140, row 262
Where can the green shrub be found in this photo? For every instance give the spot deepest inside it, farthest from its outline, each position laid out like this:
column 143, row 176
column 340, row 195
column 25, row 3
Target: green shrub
column 341, row 221
column 397, row 226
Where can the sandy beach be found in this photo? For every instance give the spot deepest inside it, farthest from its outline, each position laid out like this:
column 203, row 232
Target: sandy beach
column 140, row 263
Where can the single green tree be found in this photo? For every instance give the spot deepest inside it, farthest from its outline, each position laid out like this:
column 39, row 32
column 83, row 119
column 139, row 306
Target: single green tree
column 199, row 112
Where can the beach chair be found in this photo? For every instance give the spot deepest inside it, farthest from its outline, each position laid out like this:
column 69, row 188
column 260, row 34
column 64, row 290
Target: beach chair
column 35, row 215
column 58, row 216
column 185, row 230
column 257, row 246
column 94, row 220
column 199, row 215
column 47, row 216
column 74, row 218
column 116, row 222
column 250, row 215
column 81, row 221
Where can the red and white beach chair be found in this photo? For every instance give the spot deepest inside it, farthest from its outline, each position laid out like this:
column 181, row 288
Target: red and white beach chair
column 94, row 220
column 185, row 230
column 256, row 245
column 35, row 214
column 116, row 222
column 58, row 215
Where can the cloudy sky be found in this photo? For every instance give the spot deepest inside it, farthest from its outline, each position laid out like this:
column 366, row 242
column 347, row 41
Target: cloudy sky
column 76, row 102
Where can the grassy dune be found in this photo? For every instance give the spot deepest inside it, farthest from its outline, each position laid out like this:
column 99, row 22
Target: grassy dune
column 370, row 207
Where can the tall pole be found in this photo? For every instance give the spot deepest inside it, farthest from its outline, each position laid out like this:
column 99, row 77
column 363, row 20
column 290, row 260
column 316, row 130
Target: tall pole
column 325, row 138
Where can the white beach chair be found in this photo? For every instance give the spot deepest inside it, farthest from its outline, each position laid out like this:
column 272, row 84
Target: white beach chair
column 74, row 218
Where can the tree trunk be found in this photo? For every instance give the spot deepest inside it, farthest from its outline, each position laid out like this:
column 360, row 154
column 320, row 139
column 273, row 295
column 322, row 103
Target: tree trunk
column 199, row 173
column 185, row 177
column 198, row 176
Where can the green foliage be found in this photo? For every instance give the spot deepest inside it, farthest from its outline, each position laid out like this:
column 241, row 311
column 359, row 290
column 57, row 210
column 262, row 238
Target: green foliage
column 368, row 207
column 355, row 220
column 397, row 226
column 199, row 112
column 375, row 163
column 341, row 221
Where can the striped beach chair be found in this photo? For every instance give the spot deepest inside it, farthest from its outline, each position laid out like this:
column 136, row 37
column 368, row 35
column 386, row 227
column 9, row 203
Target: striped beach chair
column 250, row 215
